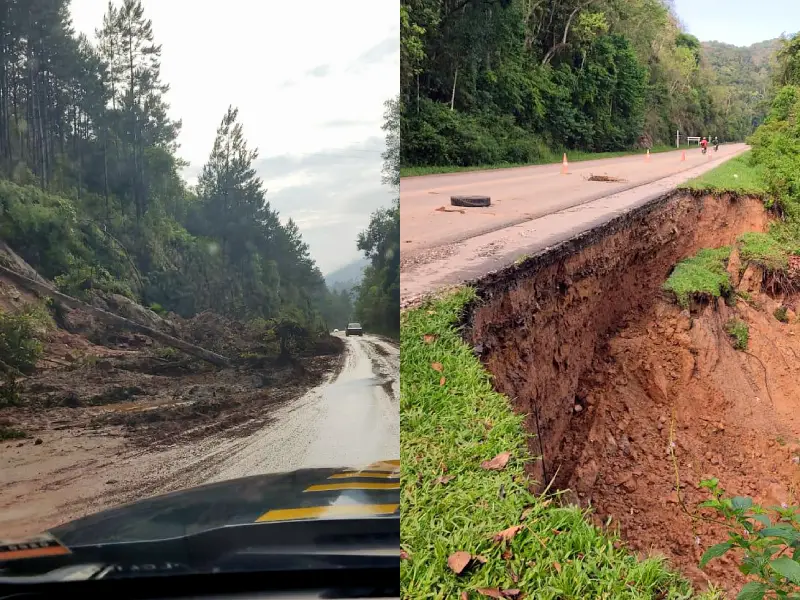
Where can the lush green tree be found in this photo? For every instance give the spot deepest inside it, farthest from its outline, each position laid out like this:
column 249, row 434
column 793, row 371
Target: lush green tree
column 90, row 185
column 488, row 81
column 377, row 303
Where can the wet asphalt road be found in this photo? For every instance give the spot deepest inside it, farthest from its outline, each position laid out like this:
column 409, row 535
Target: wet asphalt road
column 351, row 420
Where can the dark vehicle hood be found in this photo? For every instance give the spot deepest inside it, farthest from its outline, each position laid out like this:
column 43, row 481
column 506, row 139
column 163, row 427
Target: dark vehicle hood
column 303, row 495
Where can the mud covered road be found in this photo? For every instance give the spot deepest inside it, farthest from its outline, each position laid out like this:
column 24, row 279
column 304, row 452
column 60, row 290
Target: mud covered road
column 352, row 418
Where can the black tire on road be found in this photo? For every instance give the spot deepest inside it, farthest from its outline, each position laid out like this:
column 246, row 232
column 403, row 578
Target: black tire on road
column 471, row 201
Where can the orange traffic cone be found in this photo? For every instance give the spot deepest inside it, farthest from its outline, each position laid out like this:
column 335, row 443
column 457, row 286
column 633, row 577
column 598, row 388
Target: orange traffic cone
column 564, row 165
column 683, row 155
column 647, row 157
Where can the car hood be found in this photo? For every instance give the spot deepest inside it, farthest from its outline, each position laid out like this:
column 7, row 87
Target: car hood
column 306, row 494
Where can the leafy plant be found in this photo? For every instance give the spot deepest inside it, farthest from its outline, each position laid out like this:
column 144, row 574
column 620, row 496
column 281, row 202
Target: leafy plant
column 21, row 335
column 771, row 544
column 781, row 314
column 739, row 332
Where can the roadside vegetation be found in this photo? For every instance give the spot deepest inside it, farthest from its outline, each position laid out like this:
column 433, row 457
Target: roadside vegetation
column 92, row 196
column 703, row 275
column 739, row 175
column 21, row 335
column 552, row 157
column 509, row 82
column 470, row 526
column 765, row 538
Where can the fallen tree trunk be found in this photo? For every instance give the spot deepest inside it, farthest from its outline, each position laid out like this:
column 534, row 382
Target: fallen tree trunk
column 112, row 319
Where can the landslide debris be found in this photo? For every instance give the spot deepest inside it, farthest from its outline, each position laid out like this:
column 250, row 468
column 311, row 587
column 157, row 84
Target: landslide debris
column 116, row 368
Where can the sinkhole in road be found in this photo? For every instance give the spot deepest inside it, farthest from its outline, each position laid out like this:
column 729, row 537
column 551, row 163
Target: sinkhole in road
column 627, row 396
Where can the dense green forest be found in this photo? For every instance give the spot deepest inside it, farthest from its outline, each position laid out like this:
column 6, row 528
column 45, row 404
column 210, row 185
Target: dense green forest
column 742, row 79
column 377, row 303
column 90, row 187
column 492, row 81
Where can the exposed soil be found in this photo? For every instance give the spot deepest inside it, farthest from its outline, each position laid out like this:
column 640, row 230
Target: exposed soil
column 605, row 366
column 671, row 376
column 154, row 395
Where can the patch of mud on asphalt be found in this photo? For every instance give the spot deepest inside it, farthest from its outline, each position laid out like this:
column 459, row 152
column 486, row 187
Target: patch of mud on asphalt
column 621, row 387
column 385, row 366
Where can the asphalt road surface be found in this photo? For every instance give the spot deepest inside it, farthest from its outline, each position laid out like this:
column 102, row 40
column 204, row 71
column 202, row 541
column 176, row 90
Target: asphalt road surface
column 532, row 208
column 352, row 420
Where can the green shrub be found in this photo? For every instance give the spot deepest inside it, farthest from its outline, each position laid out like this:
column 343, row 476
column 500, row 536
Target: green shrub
column 21, row 335
column 81, row 280
column 780, row 314
column 158, row 309
column 739, row 332
column 769, row 539
column 11, row 433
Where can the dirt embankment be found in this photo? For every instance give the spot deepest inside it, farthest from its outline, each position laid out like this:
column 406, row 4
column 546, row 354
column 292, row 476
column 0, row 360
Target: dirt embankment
column 612, row 373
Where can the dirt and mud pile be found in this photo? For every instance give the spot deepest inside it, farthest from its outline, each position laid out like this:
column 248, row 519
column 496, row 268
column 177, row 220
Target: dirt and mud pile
column 634, row 400
column 97, row 377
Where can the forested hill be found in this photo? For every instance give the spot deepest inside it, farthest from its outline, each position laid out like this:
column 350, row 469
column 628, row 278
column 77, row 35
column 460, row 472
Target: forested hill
column 90, row 191
column 491, row 81
column 743, row 77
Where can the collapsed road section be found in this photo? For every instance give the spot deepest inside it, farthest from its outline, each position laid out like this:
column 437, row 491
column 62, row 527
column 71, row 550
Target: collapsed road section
column 536, row 208
column 632, row 399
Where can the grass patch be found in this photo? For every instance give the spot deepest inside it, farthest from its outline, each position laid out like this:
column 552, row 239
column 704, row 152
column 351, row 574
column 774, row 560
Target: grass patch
column 452, row 420
column 10, row 433
column 739, row 332
column 21, row 335
column 781, row 314
column 764, row 250
column 738, row 175
column 553, row 158
column 703, row 274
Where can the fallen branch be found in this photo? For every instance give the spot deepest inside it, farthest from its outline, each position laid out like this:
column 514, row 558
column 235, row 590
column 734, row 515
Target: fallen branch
column 112, row 319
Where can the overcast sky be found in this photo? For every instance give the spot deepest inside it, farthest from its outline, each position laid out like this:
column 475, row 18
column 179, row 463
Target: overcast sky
column 309, row 79
column 739, row 22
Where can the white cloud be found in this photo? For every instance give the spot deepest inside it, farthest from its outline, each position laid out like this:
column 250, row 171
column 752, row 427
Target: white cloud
column 307, row 77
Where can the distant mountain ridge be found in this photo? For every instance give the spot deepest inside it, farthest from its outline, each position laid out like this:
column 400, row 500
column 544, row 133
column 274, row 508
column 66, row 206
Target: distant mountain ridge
column 347, row 276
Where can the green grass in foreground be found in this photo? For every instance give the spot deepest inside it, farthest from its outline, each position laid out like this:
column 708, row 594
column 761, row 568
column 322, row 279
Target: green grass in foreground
column 452, row 420
column 703, row 274
column 737, row 175
column 551, row 158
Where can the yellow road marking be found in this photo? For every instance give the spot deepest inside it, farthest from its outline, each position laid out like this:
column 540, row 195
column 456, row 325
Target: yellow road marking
column 383, row 465
column 365, row 474
column 353, row 485
column 33, row 552
column 315, row 512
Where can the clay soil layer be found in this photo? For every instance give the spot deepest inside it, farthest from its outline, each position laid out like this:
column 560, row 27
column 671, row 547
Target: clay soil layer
column 622, row 388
